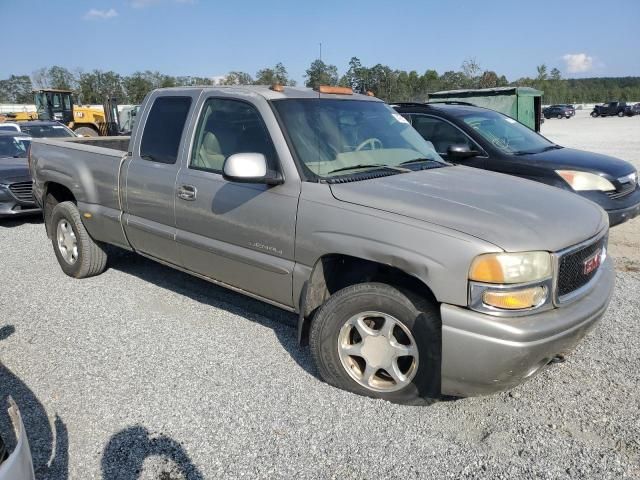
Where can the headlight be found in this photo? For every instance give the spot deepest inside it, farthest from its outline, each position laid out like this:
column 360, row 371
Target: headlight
column 505, row 283
column 585, row 181
column 511, row 268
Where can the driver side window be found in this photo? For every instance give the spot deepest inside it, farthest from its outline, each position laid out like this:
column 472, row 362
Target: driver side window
column 227, row 127
column 440, row 133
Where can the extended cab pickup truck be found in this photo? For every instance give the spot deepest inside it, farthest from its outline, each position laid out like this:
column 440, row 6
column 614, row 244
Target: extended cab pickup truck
column 413, row 278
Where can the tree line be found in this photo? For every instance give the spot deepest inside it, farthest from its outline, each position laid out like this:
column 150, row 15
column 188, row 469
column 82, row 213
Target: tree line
column 385, row 82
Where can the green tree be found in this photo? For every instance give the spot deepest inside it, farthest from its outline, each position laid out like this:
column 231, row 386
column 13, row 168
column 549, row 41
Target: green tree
column 137, row 86
column 489, row 79
column 237, row 78
column 16, row 89
column 61, row 78
column 95, row 86
column 273, row 76
column 356, row 76
column 542, row 73
column 320, row 73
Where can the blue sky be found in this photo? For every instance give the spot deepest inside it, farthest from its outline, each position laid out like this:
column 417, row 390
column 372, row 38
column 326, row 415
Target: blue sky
column 210, row 38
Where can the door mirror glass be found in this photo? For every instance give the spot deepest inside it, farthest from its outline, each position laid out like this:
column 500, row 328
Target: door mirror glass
column 460, row 151
column 249, row 168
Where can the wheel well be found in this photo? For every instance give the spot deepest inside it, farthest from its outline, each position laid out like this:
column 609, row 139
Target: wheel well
column 332, row 273
column 54, row 194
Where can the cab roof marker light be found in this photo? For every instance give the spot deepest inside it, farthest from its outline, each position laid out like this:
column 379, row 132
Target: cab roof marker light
column 335, row 90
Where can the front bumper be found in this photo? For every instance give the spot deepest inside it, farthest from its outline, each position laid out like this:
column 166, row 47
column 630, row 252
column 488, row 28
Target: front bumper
column 10, row 206
column 619, row 210
column 483, row 354
column 616, row 217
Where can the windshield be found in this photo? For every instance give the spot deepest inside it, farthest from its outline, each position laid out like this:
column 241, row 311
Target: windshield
column 14, row 147
column 342, row 137
column 50, row 131
column 506, row 134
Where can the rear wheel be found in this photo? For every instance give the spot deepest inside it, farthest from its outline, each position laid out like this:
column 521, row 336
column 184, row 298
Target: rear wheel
column 621, row 114
column 375, row 340
column 78, row 254
column 86, row 132
column 559, row 116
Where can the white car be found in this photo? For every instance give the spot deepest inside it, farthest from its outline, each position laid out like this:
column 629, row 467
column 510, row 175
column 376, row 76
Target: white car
column 9, row 127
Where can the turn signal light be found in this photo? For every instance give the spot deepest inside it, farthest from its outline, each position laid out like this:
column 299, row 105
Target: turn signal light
column 515, row 299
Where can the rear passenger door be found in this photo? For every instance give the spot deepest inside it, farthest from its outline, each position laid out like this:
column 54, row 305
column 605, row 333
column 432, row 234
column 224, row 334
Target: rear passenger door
column 443, row 134
column 240, row 234
column 150, row 178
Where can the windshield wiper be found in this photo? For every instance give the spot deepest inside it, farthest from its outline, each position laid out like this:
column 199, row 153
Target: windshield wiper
column 545, row 149
column 420, row 160
column 375, row 166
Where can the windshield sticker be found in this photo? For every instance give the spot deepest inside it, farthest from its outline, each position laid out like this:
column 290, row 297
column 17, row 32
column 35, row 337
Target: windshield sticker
column 400, row 118
column 510, row 120
column 57, row 126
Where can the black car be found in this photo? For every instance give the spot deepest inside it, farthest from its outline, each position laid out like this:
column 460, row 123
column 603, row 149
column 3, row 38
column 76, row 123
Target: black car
column 16, row 197
column 45, row 129
column 609, row 109
column 482, row 138
column 558, row 111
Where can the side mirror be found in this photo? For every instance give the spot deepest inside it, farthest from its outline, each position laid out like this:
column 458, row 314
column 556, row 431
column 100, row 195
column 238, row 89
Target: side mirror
column 461, row 152
column 249, row 168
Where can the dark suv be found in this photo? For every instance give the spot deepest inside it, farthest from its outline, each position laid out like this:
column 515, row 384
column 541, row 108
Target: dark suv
column 609, row 109
column 558, row 111
column 482, row 138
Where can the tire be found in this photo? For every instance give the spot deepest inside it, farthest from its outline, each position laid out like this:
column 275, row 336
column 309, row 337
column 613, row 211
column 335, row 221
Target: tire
column 90, row 257
column 559, row 117
column 87, row 132
column 333, row 327
column 594, row 114
column 621, row 114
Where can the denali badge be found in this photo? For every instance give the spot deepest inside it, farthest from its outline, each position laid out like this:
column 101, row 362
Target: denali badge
column 592, row 263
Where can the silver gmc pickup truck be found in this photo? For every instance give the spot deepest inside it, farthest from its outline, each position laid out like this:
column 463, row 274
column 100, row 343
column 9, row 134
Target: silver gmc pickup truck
column 413, row 278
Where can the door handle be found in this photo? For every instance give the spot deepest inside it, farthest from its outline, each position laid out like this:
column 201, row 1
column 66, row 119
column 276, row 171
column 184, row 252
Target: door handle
column 187, row 192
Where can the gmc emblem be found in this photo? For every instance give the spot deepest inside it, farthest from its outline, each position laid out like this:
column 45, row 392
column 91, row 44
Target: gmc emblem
column 592, row 263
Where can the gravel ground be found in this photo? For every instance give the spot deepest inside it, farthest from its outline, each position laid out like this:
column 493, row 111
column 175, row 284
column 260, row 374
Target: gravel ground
column 615, row 136
column 147, row 373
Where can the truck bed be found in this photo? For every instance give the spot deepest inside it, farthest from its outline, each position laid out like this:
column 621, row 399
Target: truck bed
column 114, row 143
column 94, row 165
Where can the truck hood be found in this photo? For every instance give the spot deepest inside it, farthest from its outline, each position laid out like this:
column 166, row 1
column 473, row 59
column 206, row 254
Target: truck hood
column 14, row 170
column 511, row 213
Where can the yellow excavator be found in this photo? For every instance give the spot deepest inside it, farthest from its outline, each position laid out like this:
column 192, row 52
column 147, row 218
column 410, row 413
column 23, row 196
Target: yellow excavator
column 52, row 104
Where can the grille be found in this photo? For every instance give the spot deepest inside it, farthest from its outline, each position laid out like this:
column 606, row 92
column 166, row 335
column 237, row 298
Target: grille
column 625, row 189
column 571, row 266
column 23, row 191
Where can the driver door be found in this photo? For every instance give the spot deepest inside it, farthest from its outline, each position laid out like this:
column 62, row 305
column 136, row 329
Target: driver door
column 240, row 234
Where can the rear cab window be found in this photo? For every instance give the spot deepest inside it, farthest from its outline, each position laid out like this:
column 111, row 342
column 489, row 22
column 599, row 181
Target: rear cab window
column 163, row 129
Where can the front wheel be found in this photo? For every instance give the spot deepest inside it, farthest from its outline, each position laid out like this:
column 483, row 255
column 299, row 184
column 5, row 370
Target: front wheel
column 78, row 254
column 621, row 114
column 594, row 114
column 375, row 340
column 559, row 116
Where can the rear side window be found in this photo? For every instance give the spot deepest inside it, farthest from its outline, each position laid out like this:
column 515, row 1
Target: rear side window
column 163, row 130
